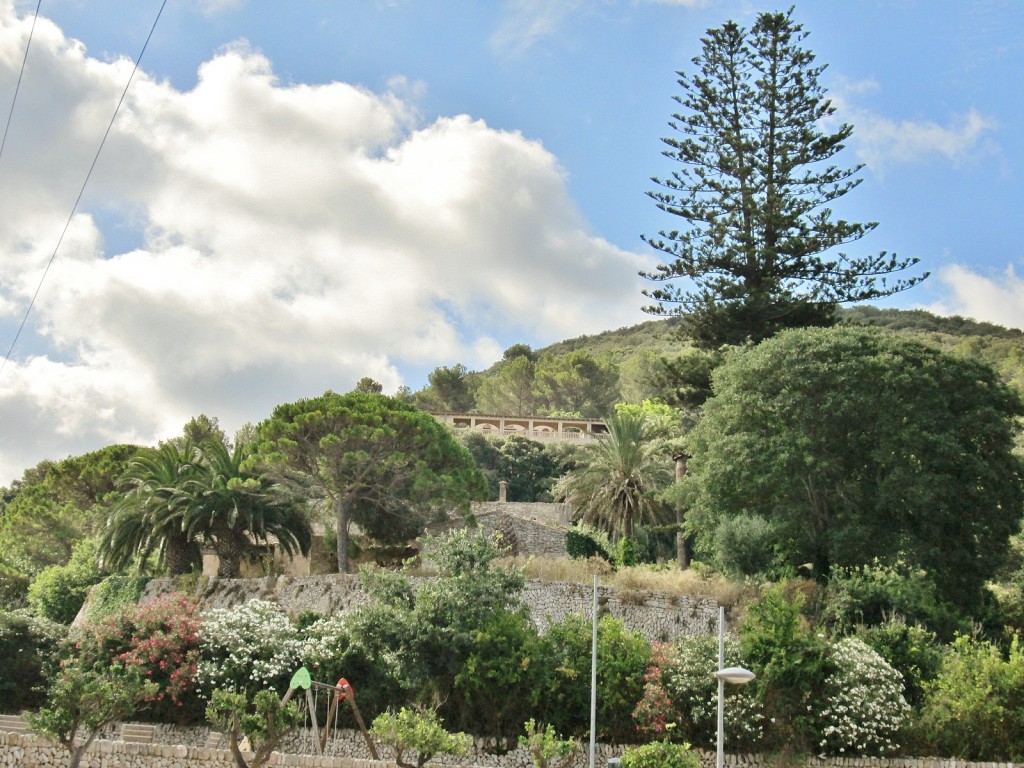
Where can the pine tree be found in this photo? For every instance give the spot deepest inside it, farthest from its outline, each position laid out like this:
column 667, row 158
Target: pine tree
column 755, row 187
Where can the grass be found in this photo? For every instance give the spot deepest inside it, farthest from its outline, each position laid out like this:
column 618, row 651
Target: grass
column 693, row 582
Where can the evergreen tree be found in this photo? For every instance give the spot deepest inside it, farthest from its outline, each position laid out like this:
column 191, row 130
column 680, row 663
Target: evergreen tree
column 755, row 187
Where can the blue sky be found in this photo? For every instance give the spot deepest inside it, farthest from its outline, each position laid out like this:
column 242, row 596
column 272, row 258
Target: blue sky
column 300, row 194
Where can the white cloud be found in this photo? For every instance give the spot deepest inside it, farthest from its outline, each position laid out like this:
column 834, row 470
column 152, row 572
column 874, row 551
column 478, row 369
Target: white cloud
column 290, row 239
column 526, row 22
column 880, row 141
column 214, row 7
column 995, row 299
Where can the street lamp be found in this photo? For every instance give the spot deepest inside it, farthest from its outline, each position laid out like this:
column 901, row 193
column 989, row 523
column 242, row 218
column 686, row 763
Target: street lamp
column 734, row 675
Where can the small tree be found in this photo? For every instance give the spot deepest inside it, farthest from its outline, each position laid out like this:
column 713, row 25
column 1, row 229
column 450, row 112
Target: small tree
column 660, row 754
column 83, row 701
column 546, row 749
column 264, row 722
column 418, row 731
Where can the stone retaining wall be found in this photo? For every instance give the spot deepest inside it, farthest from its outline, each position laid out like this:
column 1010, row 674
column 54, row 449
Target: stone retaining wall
column 657, row 615
column 29, row 751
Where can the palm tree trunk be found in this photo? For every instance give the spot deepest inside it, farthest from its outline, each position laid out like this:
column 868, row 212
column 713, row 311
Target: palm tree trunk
column 181, row 555
column 229, row 545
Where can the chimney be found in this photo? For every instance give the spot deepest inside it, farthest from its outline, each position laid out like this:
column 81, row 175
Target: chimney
column 502, row 490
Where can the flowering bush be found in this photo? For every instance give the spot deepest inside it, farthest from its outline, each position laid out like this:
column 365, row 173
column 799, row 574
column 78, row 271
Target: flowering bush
column 865, row 708
column 159, row 638
column 680, row 700
column 656, row 713
column 247, row 649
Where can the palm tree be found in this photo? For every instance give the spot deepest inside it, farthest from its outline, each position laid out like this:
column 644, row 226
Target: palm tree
column 236, row 510
column 149, row 517
column 615, row 489
column 180, row 495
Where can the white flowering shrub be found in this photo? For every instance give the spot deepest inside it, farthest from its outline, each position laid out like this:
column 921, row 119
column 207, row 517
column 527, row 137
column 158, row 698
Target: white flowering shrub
column 322, row 645
column 247, row 649
column 864, row 708
column 688, row 677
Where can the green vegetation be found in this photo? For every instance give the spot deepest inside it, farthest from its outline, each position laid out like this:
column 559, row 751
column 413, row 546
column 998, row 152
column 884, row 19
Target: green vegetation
column 855, row 493
column 80, row 702
column 183, row 495
column 855, row 445
column 380, row 462
column 755, row 189
column 420, row 732
column 263, row 721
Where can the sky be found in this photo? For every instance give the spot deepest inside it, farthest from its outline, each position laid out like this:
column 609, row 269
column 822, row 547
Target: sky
column 296, row 195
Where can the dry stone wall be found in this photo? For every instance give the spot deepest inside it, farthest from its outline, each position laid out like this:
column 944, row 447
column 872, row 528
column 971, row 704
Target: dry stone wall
column 657, row 615
column 528, row 528
column 29, row 751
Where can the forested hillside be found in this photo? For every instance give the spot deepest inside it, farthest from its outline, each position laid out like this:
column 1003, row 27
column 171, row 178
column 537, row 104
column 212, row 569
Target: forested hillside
column 588, row 374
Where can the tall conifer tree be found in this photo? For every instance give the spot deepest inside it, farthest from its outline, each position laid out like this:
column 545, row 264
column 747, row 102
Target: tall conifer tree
column 757, row 252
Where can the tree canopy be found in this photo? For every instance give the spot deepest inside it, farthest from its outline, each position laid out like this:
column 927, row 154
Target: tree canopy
column 617, row 485
column 855, row 444
column 381, row 463
column 756, row 253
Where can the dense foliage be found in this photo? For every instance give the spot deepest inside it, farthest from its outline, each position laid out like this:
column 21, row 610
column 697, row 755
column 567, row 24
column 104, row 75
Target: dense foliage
column 381, row 463
column 755, row 190
column 801, row 433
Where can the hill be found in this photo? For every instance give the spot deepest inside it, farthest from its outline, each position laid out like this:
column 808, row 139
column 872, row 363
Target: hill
column 586, row 375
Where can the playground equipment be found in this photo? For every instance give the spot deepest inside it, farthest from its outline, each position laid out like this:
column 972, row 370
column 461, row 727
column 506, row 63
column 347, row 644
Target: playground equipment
column 335, row 693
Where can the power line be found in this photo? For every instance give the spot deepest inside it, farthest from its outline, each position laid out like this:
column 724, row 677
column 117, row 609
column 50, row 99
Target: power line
column 17, row 87
column 81, row 192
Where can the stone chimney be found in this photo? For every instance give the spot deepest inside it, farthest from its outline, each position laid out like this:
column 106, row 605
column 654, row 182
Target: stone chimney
column 502, row 491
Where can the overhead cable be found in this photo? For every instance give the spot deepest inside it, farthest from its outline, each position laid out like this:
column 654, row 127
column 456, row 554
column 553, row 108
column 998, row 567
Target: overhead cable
column 17, row 87
column 81, row 192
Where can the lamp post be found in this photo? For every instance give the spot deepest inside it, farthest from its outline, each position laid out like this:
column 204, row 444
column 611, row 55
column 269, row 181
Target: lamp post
column 734, row 675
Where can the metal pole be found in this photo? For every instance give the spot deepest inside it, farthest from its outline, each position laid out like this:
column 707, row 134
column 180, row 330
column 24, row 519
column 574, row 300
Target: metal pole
column 720, row 756
column 593, row 680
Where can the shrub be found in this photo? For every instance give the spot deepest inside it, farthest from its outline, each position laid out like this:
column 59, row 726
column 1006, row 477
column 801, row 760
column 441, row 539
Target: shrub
column 745, row 546
column 688, row 711
column 792, row 663
column 974, row 709
column 13, row 588
column 912, row 650
column 247, row 649
column 59, row 590
column 864, row 707
column 627, row 552
column 29, row 647
column 583, row 542
column 872, row 594
column 622, row 658
column 420, row 732
column 546, row 749
column 114, row 594
column 159, row 638
column 660, row 754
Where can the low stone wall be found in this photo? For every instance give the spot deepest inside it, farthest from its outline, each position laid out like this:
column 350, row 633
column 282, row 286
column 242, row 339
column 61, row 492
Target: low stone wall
column 657, row 615
column 29, row 751
column 18, row 751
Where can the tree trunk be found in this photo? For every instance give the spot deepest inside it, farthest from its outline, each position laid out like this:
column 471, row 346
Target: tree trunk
column 229, row 545
column 683, row 554
column 341, row 520
column 181, row 555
